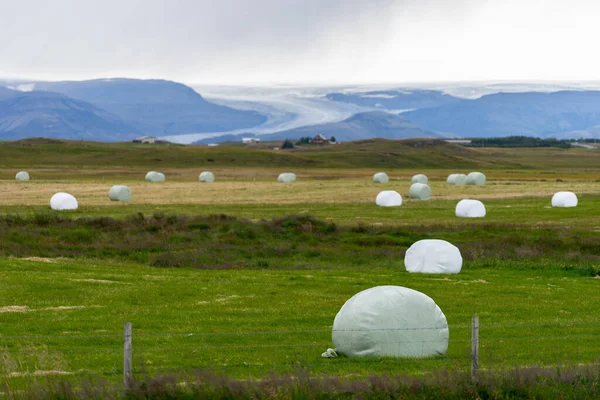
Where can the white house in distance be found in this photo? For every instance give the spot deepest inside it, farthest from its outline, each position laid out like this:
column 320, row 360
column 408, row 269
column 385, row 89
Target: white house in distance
column 250, row 140
column 145, row 139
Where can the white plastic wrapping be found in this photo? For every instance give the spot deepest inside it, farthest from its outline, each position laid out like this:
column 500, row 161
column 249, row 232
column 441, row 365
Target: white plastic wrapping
column 388, row 198
column 119, row 193
column 470, row 209
column 456, row 179
column 433, row 256
column 564, row 199
column 206, row 176
column 381, row 177
column 22, row 176
column 476, row 178
column 419, row 191
column 154, row 176
column 419, row 178
column 390, row 321
column 286, row 177
column 63, row 201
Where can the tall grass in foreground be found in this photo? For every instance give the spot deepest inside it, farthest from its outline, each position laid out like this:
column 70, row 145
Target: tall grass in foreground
column 520, row 383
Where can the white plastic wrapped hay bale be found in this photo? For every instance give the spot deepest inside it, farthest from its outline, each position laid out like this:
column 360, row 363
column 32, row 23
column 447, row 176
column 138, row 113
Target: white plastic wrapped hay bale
column 381, row 177
column 433, row 256
column 419, row 191
column 286, row 177
column 388, row 198
column 460, row 179
column 470, row 209
column 63, row 201
column 476, row 178
column 450, row 179
column 22, row 176
column 419, row 178
column 564, row 199
column 390, row 321
column 207, row 177
column 119, row 193
column 154, row 176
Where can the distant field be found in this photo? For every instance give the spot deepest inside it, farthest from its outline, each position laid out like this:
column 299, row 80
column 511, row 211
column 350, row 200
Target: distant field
column 257, row 289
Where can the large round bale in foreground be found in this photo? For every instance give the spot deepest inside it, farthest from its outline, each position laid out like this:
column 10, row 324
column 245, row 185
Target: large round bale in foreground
column 390, row 321
column 476, row 178
column 154, row 176
column 286, row 177
column 63, row 201
column 119, row 193
column 470, row 209
column 22, row 176
column 381, row 177
column 419, row 191
column 388, row 198
column 433, row 256
column 206, row 176
column 419, row 178
column 564, row 199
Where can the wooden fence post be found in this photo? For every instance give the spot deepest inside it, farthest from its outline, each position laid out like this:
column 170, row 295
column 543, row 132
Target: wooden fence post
column 127, row 336
column 474, row 348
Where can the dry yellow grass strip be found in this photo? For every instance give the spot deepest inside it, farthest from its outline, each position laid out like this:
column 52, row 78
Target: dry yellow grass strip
column 271, row 192
column 17, row 309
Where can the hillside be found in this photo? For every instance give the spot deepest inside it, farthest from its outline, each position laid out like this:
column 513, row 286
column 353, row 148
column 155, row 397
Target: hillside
column 510, row 114
column 54, row 115
column 366, row 125
column 396, row 99
column 374, row 153
column 155, row 107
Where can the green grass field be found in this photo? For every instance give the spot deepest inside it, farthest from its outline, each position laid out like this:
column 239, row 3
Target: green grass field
column 257, row 291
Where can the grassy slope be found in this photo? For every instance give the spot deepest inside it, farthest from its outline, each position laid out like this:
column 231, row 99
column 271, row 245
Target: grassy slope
column 379, row 153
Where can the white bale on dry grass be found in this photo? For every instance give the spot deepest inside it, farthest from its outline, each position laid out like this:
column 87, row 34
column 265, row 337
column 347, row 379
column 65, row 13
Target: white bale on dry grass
column 419, row 178
column 388, row 198
column 470, row 209
column 381, row 177
column 22, row 176
column 154, row 176
column 286, row 177
column 390, row 321
column 419, row 191
column 206, row 176
column 63, row 201
column 476, row 178
column 433, row 256
column 119, row 193
column 564, row 199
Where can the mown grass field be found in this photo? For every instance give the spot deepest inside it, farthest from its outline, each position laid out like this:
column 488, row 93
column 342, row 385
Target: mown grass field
column 258, row 291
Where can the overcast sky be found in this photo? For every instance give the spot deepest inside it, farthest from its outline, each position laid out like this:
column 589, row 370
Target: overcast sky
column 301, row 41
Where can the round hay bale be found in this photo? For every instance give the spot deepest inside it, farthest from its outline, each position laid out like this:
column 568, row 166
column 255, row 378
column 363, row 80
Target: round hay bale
column 470, row 209
column 286, row 177
column 419, row 191
column 388, row 198
column 419, row 178
column 63, row 201
column 460, row 179
column 450, row 179
column 154, row 176
column 22, row 176
column 119, row 193
column 390, row 321
column 381, row 177
column 206, row 176
column 476, row 178
column 564, row 199
column 433, row 256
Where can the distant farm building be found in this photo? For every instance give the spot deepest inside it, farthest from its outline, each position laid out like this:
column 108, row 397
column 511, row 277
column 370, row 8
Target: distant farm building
column 149, row 140
column 213, row 144
column 250, row 140
column 459, row 141
column 319, row 139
